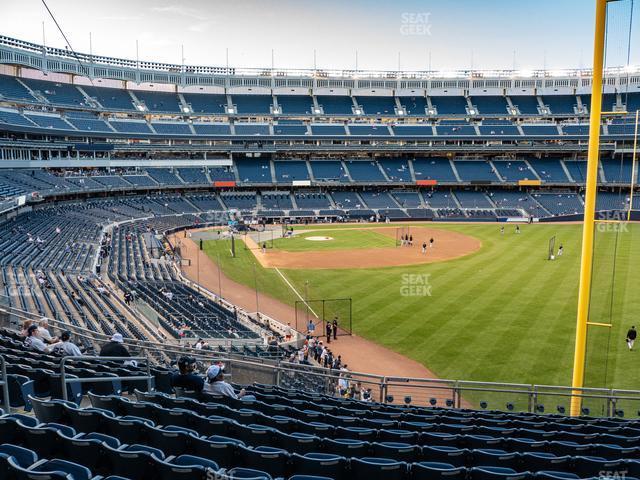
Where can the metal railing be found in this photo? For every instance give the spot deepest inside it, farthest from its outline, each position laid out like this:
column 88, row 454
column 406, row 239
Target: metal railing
column 530, row 398
column 64, row 380
column 4, row 382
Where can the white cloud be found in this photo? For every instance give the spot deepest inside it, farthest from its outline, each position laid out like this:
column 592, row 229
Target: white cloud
column 180, row 11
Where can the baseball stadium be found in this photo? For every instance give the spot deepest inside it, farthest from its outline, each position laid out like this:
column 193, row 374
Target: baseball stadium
column 338, row 271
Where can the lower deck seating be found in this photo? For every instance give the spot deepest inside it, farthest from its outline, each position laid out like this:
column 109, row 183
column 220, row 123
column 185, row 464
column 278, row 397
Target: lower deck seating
column 282, row 433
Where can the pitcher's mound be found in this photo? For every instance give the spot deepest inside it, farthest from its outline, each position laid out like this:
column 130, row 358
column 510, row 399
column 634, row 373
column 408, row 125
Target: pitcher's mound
column 318, row 239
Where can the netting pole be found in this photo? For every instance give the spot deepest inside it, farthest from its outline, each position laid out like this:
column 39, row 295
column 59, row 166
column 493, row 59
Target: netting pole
column 633, row 165
column 586, row 262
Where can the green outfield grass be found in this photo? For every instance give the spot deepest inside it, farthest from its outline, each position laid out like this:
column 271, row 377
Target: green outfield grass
column 342, row 240
column 504, row 313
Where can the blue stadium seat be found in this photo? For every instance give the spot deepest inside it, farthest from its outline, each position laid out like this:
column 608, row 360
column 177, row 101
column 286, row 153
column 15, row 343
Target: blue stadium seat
column 45, row 439
column 268, row 459
column 298, row 442
column 439, row 439
column 322, row 464
column 553, row 475
column 495, row 440
column 544, row 461
column 496, row 473
column 176, row 442
column 591, row 466
column 569, row 448
column 128, row 430
column 436, row 470
column 247, row 474
column 309, row 477
column 186, row 467
column 48, row 411
column 73, row 470
column 21, row 456
column 494, row 458
column 63, row 471
column 445, row 454
column 355, row 433
column 526, row 104
column 87, row 419
column 346, row 447
column 369, row 468
column 130, row 463
column 398, row 435
column 220, row 450
column 404, row 452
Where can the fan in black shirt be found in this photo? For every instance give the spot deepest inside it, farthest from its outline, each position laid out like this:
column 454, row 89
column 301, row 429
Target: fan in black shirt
column 114, row 348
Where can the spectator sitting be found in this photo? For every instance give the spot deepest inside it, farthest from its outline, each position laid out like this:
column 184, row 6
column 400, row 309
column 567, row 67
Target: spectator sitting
column 25, row 328
column 216, row 385
column 43, row 331
column 102, row 291
column 114, row 347
column 186, row 378
column 32, row 341
column 65, row 347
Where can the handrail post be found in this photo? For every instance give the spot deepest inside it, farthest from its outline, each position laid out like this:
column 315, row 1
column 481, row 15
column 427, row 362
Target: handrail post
column 278, row 375
column 5, row 385
column 63, row 378
column 611, row 404
column 149, row 380
column 456, row 394
column 384, row 389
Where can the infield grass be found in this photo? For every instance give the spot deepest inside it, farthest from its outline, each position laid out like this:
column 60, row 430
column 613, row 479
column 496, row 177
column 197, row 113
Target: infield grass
column 341, row 239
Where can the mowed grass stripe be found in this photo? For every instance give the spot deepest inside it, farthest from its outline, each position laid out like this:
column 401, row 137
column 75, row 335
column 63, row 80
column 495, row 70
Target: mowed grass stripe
column 465, row 283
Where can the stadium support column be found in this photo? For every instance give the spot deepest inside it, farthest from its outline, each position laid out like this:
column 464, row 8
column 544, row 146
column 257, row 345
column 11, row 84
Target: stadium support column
column 586, row 262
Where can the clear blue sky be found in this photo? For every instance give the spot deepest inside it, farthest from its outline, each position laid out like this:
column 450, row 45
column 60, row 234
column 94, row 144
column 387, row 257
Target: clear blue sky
column 458, row 33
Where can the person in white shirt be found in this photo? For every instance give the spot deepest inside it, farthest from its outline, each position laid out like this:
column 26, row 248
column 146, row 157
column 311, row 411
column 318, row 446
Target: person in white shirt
column 215, row 384
column 65, row 347
column 32, row 341
column 343, row 382
column 43, row 330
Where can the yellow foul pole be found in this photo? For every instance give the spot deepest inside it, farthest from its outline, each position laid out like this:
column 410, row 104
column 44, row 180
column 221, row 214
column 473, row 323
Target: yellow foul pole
column 633, row 166
column 586, row 263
